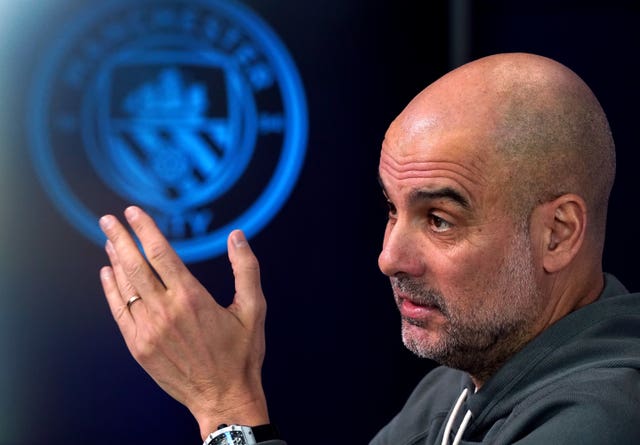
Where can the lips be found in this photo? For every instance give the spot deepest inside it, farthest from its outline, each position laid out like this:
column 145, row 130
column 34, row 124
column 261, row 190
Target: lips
column 414, row 310
column 417, row 302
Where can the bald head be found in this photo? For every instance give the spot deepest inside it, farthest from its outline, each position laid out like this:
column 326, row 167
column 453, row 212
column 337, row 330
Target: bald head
column 536, row 119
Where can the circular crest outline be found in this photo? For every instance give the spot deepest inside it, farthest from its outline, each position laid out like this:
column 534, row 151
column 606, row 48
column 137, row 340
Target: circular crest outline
column 255, row 216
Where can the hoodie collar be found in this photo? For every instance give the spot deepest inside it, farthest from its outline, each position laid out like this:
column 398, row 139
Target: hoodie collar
column 535, row 364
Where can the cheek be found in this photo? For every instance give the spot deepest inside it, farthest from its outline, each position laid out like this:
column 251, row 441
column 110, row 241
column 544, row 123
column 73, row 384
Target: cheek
column 465, row 276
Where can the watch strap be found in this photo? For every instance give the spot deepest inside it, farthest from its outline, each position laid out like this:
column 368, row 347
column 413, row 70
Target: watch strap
column 251, row 434
column 265, row 432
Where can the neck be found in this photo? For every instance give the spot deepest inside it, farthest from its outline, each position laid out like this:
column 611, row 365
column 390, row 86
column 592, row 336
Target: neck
column 565, row 298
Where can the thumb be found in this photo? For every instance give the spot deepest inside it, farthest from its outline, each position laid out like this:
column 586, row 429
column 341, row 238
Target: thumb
column 249, row 299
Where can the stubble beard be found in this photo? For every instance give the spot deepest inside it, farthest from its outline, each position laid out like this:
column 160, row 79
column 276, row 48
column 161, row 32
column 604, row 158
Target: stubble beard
column 479, row 341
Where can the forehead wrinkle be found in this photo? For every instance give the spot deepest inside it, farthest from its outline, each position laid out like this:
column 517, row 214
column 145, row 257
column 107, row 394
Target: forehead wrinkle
column 426, row 169
column 422, row 192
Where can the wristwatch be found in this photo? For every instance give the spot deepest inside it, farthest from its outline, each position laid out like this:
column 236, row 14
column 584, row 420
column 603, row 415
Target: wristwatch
column 242, row 435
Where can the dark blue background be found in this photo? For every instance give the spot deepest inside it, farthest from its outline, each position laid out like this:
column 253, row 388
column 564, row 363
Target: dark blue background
column 336, row 369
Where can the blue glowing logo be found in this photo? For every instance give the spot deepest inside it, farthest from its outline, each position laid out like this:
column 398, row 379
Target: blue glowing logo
column 193, row 110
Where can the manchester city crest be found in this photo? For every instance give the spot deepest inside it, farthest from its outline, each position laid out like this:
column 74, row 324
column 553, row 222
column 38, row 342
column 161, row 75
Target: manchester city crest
column 193, row 110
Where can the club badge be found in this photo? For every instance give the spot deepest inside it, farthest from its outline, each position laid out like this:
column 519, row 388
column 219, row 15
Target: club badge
column 192, row 110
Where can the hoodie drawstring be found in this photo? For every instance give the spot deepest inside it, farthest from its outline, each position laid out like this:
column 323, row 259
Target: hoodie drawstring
column 452, row 417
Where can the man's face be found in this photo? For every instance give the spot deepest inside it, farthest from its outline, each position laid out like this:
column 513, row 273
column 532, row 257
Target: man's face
column 462, row 268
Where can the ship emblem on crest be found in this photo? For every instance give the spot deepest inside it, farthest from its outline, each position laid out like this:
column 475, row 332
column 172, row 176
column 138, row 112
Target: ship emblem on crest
column 194, row 111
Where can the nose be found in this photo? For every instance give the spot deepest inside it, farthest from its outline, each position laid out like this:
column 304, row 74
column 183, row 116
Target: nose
column 401, row 251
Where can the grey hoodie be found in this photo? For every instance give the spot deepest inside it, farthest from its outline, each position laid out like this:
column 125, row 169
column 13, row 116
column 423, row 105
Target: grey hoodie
column 576, row 383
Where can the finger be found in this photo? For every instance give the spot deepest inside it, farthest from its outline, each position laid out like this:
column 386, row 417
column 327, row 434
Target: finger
column 130, row 259
column 246, row 270
column 163, row 258
column 118, row 309
column 125, row 288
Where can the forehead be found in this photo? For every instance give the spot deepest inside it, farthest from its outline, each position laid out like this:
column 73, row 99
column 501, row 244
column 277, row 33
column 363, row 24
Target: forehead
column 422, row 155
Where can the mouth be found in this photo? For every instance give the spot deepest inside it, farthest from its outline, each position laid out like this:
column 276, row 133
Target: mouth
column 415, row 310
column 418, row 304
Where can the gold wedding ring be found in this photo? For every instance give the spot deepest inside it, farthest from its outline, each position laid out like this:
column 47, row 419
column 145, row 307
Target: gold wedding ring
column 132, row 300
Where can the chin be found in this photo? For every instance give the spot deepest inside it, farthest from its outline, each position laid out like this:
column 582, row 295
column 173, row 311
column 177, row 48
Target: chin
column 421, row 341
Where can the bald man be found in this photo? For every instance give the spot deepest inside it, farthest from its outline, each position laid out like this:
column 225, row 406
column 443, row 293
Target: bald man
column 497, row 178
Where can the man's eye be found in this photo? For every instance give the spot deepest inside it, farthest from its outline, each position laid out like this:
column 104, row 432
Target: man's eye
column 438, row 224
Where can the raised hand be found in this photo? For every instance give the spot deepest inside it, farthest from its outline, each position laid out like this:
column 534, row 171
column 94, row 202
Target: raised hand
column 206, row 356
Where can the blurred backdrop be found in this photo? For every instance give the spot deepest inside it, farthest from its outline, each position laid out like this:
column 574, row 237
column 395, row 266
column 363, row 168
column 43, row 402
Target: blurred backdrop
column 300, row 93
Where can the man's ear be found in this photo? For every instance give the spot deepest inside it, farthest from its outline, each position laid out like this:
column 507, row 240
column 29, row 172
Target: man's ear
column 564, row 224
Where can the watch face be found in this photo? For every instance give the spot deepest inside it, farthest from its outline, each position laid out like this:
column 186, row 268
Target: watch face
column 230, row 438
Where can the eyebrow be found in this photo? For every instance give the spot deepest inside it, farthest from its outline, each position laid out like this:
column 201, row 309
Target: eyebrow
column 447, row 193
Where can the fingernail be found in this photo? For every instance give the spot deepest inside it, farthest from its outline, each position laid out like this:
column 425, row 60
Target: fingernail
column 238, row 239
column 131, row 213
column 106, row 273
column 106, row 222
